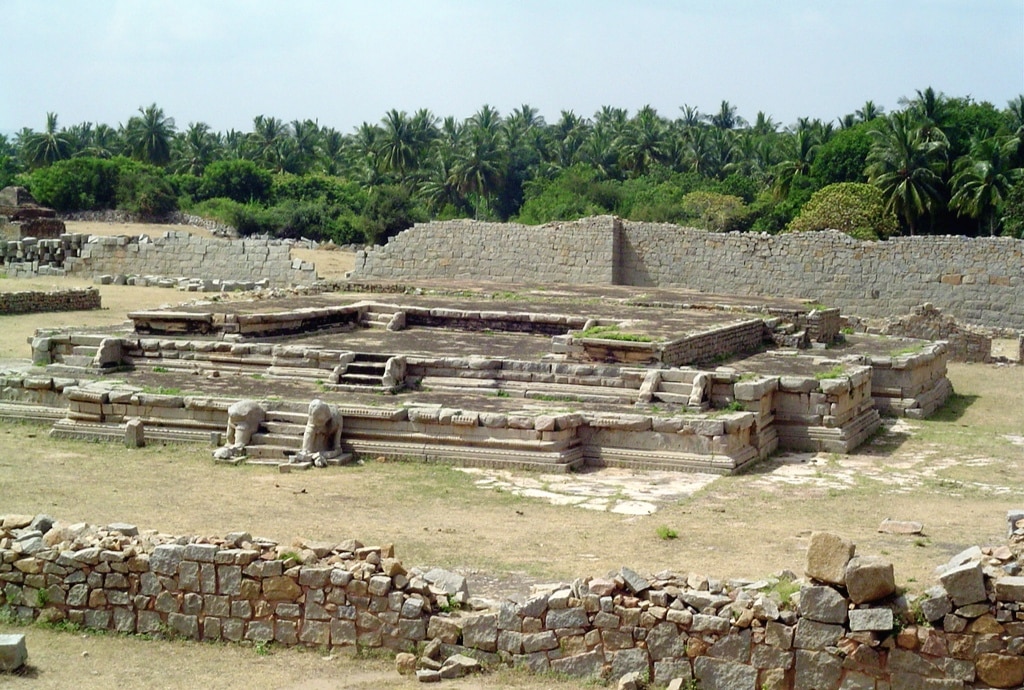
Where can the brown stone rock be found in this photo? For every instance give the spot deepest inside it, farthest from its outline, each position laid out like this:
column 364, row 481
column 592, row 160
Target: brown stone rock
column 986, row 625
column 281, row 588
column 869, row 578
column 1001, row 670
column 827, row 556
column 405, row 663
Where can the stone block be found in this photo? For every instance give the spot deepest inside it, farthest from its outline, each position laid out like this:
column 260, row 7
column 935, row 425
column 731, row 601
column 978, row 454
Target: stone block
column 827, row 556
column 13, row 652
column 871, row 620
column 1009, row 589
column 823, row 604
column 869, row 578
column 965, row 584
column 718, row 674
column 813, row 635
column 1001, row 670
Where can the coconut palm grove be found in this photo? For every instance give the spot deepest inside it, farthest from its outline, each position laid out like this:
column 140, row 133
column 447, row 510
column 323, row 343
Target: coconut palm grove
column 939, row 164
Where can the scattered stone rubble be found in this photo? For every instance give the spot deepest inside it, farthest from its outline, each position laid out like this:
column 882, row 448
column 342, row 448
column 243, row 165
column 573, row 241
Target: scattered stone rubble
column 847, row 626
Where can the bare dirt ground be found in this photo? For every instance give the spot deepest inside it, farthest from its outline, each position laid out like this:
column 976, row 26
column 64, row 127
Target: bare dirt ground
column 957, row 473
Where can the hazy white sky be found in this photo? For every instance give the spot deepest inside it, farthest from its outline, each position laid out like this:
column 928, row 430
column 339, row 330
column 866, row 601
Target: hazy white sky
column 344, row 62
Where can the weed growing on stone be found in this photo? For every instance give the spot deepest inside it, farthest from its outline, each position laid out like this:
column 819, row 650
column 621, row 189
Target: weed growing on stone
column 784, row 588
column 42, row 598
column 613, row 333
column 501, row 393
column 261, row 648
column 833, row 373
column 160, row 370
column 8, row 616
column 161, row 390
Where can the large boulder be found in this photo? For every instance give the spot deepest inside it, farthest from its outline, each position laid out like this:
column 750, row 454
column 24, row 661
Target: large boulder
column 827, row 556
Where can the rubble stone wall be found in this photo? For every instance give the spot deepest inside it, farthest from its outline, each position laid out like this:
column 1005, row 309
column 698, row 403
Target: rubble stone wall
column 581, row 252
column 173, row 254
column 976, row 280
column 30, row 301
column 855, row 633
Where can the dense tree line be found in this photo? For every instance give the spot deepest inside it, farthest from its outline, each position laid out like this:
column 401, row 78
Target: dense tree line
column 939, row 164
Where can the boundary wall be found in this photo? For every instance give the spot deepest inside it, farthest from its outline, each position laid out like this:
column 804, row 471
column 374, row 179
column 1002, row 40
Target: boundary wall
column 172, row 254
column 976, row 280
column 31, row 301
column 347, row 597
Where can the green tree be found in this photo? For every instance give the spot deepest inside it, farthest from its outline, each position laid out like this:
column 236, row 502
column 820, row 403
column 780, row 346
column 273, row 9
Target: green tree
column 76, row 184
column 855, row 208
column 983, row 180
column 906, row 166
column 844, row 157
column 1013, row 211
column 717, row 212
column 149, row 135
column 49, row 146
column 240, row 180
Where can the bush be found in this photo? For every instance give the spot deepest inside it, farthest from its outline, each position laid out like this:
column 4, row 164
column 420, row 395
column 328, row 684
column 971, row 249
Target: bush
column 389, row 211
column 574, row 193
column 77, row 184
column 322, row 188
column 146, row 192
column 239, row 180
column 717, row 212
column 855, row 208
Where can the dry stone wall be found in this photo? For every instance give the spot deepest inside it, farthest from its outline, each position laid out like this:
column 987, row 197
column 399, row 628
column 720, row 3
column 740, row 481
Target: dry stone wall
column 173, row 254
column 975, row 280
column 28, row 302
column 581, row 251
column 847, row 628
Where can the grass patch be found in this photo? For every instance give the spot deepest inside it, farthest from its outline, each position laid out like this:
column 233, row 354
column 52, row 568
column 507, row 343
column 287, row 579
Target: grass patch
column 833, row 373
column 160, row 370
column 613, row 333
column 666, row 533
column 162, row 390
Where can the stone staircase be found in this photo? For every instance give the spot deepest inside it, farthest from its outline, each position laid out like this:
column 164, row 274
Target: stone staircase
column 364, row 372
column 278, row 438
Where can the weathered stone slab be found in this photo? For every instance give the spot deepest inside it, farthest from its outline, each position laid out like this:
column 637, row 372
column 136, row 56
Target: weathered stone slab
column 827, row 556
column 13, row 652
column 965, row 584
column 869, row 578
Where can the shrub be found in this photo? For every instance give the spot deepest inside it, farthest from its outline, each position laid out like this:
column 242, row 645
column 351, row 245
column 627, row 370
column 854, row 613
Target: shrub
column 717, row 212
column 77, row 184
column 239, row 180
column 855, row 208
column 147, row 193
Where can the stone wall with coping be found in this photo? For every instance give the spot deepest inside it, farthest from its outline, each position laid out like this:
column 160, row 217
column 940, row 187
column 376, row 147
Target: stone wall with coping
column 31, row 301
column 847, row 628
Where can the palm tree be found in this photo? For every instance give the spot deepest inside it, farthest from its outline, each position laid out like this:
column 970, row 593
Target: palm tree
column 799, row 151
column 331, row 158
column 48, row 146
column 149, row 135
column 305, row 135
column 396, row 151
column 983, row 179
column 194, row 149
column 726, row 117
column 907, row 167
column 869, row 111
column 478, row 165
column 644, row 142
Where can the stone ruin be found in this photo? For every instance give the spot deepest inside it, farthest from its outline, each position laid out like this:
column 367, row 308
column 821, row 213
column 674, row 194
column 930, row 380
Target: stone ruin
column 588, row 400
column 22, row 217
column 844, row 624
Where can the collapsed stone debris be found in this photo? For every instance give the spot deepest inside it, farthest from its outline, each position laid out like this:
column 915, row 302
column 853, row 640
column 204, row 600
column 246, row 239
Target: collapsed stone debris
column 844, row 625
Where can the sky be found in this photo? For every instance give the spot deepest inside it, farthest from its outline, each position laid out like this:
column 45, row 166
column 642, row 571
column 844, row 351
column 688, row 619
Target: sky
column 343, row 62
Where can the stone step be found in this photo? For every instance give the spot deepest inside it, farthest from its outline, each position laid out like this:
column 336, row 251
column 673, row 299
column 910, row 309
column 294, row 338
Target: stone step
column 76, row 361
column 360, row 380
column 276, row 440
column 85, row 350
column 372, row 357
column 374, row 368
column 286, row 416
column 285, row 428
column 268, row 452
